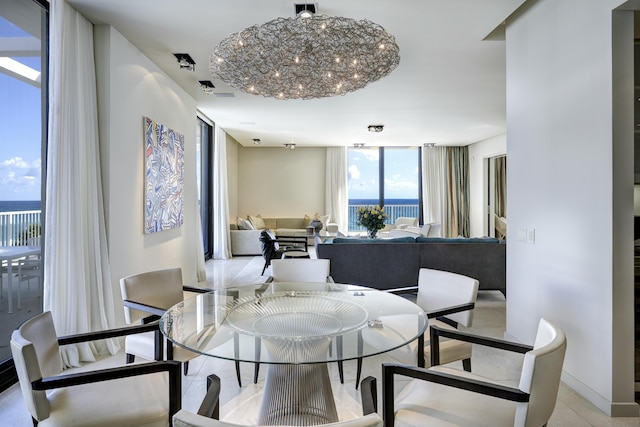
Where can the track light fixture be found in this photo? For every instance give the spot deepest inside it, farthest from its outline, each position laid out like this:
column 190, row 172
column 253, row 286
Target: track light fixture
column 358, row 145
column 185, row 61
column 256, row 141
column 375, row 128
column 206, row 86
column 290, row 146
column 429, row 144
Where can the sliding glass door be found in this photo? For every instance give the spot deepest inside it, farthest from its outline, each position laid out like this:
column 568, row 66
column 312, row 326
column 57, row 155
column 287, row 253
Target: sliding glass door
column 23, row 118
column 385, row 176
column 204, row 152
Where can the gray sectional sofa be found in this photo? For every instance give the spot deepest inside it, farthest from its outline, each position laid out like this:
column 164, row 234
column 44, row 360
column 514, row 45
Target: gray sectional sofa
column 394, row 263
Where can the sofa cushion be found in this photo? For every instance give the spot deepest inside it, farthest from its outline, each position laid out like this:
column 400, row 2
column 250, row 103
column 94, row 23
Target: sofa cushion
column 458, row 240
column 290, row 223
column 359, row 240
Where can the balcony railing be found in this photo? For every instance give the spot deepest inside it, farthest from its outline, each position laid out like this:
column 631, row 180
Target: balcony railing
column 16, row 228
column 392, row 211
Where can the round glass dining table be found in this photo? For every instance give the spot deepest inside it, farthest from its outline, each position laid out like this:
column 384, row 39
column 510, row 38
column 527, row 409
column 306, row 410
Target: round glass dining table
column 293, row 333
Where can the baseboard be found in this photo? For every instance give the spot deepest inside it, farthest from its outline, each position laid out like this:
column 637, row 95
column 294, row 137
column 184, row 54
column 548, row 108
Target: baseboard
column 617, row 409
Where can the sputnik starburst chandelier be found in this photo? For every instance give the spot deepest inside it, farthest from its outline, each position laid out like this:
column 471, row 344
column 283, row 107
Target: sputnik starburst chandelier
column 308, row 56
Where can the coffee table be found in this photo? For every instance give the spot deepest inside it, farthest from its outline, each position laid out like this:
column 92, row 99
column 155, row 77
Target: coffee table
column 296, row 330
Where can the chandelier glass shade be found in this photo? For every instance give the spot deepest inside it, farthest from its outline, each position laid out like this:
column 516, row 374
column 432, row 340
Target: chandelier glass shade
column 304, row 58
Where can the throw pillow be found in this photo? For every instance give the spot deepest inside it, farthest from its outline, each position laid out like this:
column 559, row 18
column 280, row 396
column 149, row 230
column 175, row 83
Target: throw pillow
column 257, row 222
column 324, row 219
column 244, row 224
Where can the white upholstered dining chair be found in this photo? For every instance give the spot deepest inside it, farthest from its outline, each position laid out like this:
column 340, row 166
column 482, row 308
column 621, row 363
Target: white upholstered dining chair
column 448, row 299
column 444, row 396
column 146, row 296
column 133, row 395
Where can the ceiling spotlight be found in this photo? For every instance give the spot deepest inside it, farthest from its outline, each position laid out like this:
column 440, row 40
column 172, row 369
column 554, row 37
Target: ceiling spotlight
column 256, row 141
column 185, row 61
column 290, row 146
column 429, row 144
column 358, row 145
column 206, row 86
column 305, row 10
column 375, row 128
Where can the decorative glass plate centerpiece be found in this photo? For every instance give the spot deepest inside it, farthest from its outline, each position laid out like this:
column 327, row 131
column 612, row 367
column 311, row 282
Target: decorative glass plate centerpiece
column 297, row 316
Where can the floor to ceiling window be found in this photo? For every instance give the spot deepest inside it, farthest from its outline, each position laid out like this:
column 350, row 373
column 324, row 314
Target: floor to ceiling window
column 385, row 176
column 204, row 152
column 23, row 59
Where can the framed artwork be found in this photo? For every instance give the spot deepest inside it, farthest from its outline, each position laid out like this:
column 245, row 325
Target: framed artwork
column 164, row 176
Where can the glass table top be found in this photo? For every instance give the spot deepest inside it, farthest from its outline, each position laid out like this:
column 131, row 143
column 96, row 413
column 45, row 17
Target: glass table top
column 235, row 323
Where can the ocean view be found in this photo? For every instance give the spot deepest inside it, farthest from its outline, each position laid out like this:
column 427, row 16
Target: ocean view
column 393, row 208
column 19, row 205
column 17, row 228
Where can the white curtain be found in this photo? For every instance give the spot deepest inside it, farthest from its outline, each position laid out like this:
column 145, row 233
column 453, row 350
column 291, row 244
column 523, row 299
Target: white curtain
column 77, row 283
column 336, row 194
column 201, row 271
column 221, row 234
column 434, row 186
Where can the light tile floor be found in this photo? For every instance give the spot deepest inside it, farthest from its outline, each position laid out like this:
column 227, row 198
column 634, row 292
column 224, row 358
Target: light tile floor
column 241, row 404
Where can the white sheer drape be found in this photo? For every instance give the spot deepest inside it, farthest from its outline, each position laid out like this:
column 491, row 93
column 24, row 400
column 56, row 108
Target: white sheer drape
column 434, row 186
column 336, row 194
column 201, row 271
column 77, row 283
column 221, row 234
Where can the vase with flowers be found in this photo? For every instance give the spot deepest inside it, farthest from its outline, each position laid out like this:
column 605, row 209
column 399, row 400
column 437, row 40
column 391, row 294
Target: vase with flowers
column 372, row 218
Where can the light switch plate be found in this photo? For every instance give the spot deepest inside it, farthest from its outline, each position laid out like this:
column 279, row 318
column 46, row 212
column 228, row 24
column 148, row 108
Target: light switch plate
column 531, row 235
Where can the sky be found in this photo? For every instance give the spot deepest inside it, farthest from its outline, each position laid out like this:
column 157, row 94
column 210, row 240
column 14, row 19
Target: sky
column 400, row 173
column 20, row 130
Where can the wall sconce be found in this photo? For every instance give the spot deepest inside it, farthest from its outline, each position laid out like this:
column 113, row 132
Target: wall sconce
column 290, row 146
column 375, row 128
column 358, row 145
column 206, row 86
column 185, row 61
column 256, row 141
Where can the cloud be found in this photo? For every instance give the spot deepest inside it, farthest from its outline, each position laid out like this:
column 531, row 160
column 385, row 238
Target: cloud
column 354, row 172
column 19, row 176
column 401, row 185
column 17, row 162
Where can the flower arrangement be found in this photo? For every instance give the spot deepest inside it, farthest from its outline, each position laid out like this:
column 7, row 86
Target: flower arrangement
column 372, row 218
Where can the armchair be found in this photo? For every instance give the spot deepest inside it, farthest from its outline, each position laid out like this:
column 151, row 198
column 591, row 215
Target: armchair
column 440, row 395
column 401, row 222
column 271, row 249
column 208, row 414
column 91, row 398
column 449, row 300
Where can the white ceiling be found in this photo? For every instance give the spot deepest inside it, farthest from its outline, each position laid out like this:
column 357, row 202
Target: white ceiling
column 449, row 88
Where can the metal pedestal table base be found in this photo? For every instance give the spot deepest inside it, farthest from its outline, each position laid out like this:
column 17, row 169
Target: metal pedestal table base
column 298, row 395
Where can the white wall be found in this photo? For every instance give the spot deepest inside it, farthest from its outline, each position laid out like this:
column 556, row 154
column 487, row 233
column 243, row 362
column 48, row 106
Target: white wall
column 130, row 87
column 478, row 154
column 566, row 179
column 280, row 183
